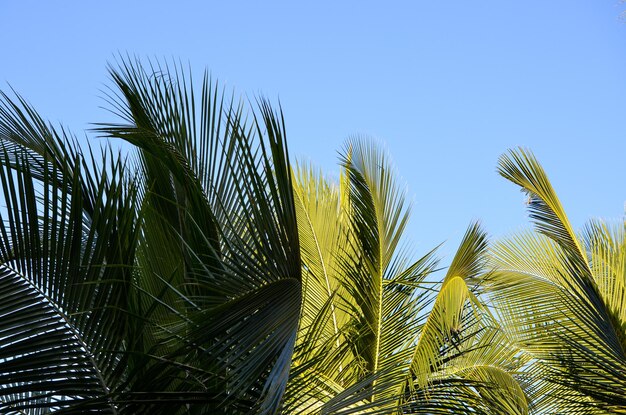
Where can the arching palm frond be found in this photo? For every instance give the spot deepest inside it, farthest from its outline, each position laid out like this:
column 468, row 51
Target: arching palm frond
column 67, row 249
column 206, row 276
column 374, row 338
column 555, row 295
column 463, row 346
column 173, row 288
column 362, row 294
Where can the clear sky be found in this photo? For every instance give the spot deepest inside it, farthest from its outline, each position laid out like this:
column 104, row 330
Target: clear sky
column 447, row 86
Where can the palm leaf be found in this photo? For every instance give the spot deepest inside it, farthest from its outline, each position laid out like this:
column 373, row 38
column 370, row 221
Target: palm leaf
column 552, row 294
column 66, row 256
column 223, row 187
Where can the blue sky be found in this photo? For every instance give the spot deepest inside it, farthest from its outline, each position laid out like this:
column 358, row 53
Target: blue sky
column 447, row 86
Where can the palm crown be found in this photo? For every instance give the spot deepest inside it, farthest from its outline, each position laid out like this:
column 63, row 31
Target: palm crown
column 205, row 275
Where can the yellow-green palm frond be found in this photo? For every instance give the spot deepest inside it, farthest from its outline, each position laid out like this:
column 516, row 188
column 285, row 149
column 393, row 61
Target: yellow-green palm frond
column 606, row 247
column 558, row 297
column 461, row 342
column 378, row 216
column 362, row 293
column 321, row 232
column 522, row 168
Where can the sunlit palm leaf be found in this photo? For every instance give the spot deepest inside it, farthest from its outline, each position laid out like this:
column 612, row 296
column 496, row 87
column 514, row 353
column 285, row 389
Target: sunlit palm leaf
column 461, row 342
column 378, row 216
column 349, row 239
column 554, row 295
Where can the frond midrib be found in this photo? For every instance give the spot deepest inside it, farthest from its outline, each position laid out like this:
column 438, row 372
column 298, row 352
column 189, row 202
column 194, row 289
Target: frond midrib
column 74, row 331
column 323, row 263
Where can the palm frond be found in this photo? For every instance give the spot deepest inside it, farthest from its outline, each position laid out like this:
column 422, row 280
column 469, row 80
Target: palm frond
column 554, row 295
column 66, row 259
column 378, row 217
column 223, row 186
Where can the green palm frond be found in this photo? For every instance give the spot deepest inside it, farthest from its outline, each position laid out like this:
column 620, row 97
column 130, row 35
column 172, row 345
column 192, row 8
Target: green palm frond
column 322, row 231
column 206, row 276
column 457, row 342
column 522, row 168
column 174, row 288
column 66, row 259
column 223, row 187
column 352, row 271
column 378, row 216
column 606, row 249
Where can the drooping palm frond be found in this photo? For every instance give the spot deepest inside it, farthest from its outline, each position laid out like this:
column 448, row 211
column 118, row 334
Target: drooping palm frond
column 208, row 277
column 550, row 219
column 175, row 288
column 67, row 248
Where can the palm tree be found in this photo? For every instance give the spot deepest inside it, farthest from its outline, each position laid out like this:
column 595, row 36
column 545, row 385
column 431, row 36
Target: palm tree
column 170, row 283
column 560, row 296
column 374, row 335
column 202, row 275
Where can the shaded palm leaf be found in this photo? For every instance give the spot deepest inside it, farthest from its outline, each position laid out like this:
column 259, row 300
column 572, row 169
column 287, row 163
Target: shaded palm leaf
column 223, row 187
column 67, row 251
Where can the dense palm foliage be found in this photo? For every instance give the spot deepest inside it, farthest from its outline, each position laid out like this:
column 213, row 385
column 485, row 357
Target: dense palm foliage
column 203, row 274
column 171, row 283
column 374, row 338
